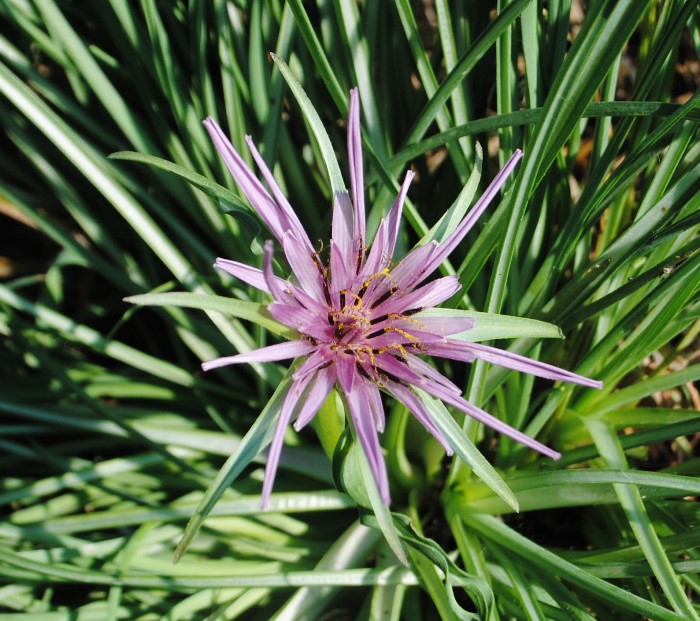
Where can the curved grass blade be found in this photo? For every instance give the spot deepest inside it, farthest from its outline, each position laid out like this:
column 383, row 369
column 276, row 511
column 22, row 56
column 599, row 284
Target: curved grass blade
column 429, row 551
column 617, row 109
column 465, row 64
column 639, row 520
column 571, row 488
column 350, row 549
column 85, row 335
column 206, row 185
column 257, row 438
column 317, row 127
column 241, row 309
column 493, row 529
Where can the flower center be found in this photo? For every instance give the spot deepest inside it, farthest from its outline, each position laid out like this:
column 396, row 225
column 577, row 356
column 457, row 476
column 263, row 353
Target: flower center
column 351, row 320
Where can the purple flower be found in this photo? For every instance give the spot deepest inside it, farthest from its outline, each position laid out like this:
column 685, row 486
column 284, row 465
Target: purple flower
column 356, row 312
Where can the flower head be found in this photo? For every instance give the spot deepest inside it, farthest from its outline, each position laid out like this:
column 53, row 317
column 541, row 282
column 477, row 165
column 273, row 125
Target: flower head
column 357, row 312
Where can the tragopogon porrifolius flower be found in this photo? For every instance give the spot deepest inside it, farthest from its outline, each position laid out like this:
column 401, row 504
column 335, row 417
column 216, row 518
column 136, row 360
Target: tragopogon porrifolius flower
column 358, row 312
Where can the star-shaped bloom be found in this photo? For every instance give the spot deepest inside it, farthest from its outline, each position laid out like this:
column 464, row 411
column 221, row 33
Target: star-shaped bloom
column 356, row 313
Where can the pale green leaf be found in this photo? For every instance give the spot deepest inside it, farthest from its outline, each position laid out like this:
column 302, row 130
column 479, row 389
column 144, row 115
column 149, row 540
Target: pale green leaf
column 250, row 311
column 317, row 126
column 491, row 326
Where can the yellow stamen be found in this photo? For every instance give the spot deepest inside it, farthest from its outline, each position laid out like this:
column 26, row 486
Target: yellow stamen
column 384, row 272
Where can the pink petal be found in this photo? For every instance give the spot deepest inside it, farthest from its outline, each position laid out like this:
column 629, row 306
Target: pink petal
column 345, row 367
column 342, row 228
column 288, row 216
column 394, row 216
column 424, row 369
column 474, row 214
column 302, row 320
column 375, row 405
column 320, row 387
column 340, row 274
column 356, row 395
column 319, row 358
column 396, row 369
column 516, row 362
column 429, row 328
column 427, row 296
column 257, row 278
column 271, row 353
column 454, row 350
column 409, row 336
column 310, row 303
column 276, row 288
column 401, row 279
column 273, row 456
column 247, row 274
column 355, row 160
column 254, row 191
column 414, row 405
column 411, row 270
column 487, row 419
column 377, row 258
column 304, row 268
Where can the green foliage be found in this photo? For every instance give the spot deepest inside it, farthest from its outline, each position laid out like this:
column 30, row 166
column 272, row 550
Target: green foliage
column 119, row 453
